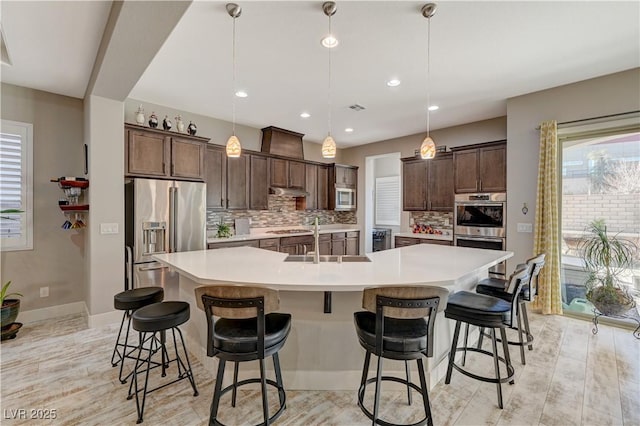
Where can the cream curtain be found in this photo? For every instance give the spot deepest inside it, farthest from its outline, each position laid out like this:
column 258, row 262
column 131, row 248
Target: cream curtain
column 547, row 226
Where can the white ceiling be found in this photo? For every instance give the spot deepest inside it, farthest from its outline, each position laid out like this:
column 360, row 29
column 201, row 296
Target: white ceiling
column 481, row 54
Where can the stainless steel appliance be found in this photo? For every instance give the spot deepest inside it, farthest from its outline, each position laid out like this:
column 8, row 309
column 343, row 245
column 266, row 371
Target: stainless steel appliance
column 480, row 221
column 161, row 216
column 381, row 239
column 345, row 199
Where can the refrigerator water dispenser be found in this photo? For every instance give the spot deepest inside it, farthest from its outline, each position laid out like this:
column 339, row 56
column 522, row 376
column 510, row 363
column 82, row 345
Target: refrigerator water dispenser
column 153, row 237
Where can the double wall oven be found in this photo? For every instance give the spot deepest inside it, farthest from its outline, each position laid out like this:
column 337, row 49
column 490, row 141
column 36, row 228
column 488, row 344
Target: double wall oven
column 480, row 222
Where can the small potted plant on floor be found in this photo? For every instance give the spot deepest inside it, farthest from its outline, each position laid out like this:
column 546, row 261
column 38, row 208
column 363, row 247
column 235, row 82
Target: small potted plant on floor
column 606, row 257
column 9, row 310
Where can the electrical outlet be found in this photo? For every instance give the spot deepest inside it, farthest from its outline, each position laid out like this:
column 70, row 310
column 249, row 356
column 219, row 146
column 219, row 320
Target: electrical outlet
column 44, row 291
column 108, row 228
column 525, row 227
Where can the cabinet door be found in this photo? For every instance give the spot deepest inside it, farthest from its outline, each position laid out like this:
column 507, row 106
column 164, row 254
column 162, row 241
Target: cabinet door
column 406, row 241
column 353, row 243
column 311, row 186
column 272, row 244
column 323, row 188
column 296, row 174
column 493, row 169
column 465, row 171
column 187, row 159
column 414, row 185
column 437, row 242
column 238, row 183
column 216, row 177
column 259, row 183
column 147, row 154
column 338, row 247
column 248, row 243
column 440, row 183
column 288, row 248
column 346, row 176
column 279, row 172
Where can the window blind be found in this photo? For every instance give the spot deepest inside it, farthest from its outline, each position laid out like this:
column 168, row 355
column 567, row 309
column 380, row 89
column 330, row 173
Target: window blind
column 387, row 201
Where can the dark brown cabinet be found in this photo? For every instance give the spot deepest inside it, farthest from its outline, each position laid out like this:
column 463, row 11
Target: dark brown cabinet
column 296, row 174
column 258, row 182
column 410, row 241
column 353, row 243
column 296, row 245
column 227, row 244
column 311, row 186
column 480, row 168
column 216, row 177
column 286, row 173
column 323, row 188
column 238, row 182
column 272, row 244
column 157, row 153
column 339, row 243
column 324, row 241
column 427, row 185
column 346, row 176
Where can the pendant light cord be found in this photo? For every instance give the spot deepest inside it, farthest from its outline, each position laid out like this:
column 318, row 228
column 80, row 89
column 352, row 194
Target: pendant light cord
column 329, row 89
column 233, row 100
column 428, row 71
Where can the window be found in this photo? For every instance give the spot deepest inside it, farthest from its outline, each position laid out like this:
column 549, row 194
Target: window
column 600, row 180
column 388, row 201
column 16, row 185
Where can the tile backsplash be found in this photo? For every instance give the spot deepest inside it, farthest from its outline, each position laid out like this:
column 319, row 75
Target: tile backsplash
column 282, row 212
column 440, row 220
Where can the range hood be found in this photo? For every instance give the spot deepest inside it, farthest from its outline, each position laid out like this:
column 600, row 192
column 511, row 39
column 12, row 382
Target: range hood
column 288, row 192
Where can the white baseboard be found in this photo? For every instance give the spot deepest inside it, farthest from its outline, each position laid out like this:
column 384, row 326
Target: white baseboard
column 28, row 317
column 106, row 318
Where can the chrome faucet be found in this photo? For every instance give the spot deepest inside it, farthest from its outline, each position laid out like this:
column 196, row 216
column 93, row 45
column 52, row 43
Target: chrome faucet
column 316, row 236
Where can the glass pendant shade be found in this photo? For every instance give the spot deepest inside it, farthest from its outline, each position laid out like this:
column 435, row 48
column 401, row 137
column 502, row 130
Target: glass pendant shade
column 427, row 149
column 329, row 147
column 233, row 147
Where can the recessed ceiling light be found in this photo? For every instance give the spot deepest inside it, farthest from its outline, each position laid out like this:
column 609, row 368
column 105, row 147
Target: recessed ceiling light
column 393, row 82
column 348, row 130
column 329, row 41
column 305, row 115
column 241, row 94
column 434, row 107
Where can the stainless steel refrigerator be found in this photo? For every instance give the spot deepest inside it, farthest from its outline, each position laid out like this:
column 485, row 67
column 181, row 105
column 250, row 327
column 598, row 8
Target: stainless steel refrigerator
column 161, row 216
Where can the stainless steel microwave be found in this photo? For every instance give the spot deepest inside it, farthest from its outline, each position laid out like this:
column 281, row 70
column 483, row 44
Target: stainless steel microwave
column 345, row 199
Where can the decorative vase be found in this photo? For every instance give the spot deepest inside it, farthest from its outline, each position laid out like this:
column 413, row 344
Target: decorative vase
column 192, row 128
column 179, row 124
column 140, row 115
column 9, row 312
column 153, row 120
column 166, row 123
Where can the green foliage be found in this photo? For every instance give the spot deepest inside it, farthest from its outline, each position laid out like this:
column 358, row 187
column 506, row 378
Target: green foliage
column 3, row 292
column 224, row 230
column 605, row 258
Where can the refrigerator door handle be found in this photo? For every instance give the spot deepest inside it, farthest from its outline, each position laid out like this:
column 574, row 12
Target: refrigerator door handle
column 128, row 270
column 172, row 219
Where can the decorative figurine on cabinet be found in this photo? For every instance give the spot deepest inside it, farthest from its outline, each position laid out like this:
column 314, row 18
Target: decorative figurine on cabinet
column 140, row 115
column 166, row 123
column 153, row 120
column 192, row 128
column 179, row 124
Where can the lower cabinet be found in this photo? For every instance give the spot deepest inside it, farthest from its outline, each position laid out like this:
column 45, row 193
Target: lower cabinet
column 324, row 241
column 345, row 243
column 337, row 243
column 296, row 245
column 246, row 243
column 272, row 244
column 409, row 241
column 353, row 243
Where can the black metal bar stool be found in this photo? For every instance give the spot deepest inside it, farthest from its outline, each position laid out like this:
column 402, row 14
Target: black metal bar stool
column 500, row 288
column 485, row 312
column 401, row 328
column 248, row 329
column 128, row 301
column 157, row 319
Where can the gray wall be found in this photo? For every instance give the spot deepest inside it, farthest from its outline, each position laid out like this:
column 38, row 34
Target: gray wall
column 57, row 258
column 611, row 94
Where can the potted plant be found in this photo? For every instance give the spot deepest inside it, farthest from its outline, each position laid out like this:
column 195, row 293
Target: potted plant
column 606, row 257
column 10, row 307
column 224, row 230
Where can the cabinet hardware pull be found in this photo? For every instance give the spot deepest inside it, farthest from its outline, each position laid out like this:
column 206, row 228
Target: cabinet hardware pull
column 164, row 167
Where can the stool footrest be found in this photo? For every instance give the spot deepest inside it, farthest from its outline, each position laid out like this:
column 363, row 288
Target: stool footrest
column 510, row 370
column 269, row 382
column 379, row 421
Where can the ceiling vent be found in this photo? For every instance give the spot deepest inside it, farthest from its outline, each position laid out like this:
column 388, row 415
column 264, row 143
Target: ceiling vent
column 356, row 107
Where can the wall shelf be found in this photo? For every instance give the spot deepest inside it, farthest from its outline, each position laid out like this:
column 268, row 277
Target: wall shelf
column 73, row 211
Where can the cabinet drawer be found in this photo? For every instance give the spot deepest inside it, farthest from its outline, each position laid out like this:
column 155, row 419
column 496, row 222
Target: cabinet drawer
column 406, row 241
column 270, row 244
column 285, row 241
column 438, row 242
column 353, row 234
column 248, row 243
column 324, row 237
column 338, row 236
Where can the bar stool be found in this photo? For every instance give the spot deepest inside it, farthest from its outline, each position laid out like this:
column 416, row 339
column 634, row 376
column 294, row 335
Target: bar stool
column 485, row 312
column 248, row 329
column 499, row 288
column 398, row 330
column 128, row 301
column 157, row 319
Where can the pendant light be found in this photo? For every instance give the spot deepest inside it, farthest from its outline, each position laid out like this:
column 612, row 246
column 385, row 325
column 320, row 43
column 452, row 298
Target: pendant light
column 428, row 147
column 233, row 144
column 329, row 145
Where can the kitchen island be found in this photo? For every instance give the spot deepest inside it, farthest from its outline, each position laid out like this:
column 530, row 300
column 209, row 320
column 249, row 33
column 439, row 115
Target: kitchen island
column 322, row 351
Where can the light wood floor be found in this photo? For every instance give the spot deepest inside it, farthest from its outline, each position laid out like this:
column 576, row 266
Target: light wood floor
column 571, row 378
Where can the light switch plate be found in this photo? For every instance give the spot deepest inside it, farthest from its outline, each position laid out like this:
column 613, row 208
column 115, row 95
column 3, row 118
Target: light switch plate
column 109, row 228
column 525, row 227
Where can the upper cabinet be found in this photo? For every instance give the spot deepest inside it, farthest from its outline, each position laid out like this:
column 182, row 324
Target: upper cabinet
column 345, row 176
column 287, row 173
column 480, row 168
column 161, row 154
column 311, row 186
column 323, row 187
column 238, row 177
column 216, row 177
column 258, row 182
column 228, row 180
column 427, row 185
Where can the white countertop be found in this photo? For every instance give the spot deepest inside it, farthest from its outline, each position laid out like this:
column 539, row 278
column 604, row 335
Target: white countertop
column 418, row 264
column 442, row 237
column 263, row 233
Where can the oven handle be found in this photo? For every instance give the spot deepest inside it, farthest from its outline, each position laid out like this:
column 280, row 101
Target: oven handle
column 475, row 203
column 488, row 240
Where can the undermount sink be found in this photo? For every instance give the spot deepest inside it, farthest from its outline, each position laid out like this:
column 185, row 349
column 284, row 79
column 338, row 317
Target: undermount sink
column 327, row 258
